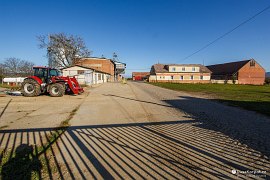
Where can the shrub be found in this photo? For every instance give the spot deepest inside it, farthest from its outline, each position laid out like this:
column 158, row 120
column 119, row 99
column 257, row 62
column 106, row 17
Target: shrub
column 267, row 80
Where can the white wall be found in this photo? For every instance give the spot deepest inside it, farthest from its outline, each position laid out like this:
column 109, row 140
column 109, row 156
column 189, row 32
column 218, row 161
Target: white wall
column 207, row 78
column 16, row 80
column 187, row 69
column 88, row 77
column 72, row 71
column 177, row 77
column 223, row 81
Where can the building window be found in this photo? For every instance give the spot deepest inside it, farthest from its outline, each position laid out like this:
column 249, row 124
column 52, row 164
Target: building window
column 181, row 77
column 201, row 77
column 160, row 77
column 183, row 69
column 80, row 71
column 193, row 68
column 171, row 77
column 191, row 77
column 173, row 69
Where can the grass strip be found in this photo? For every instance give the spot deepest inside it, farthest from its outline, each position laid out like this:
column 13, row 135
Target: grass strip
column 250, row 97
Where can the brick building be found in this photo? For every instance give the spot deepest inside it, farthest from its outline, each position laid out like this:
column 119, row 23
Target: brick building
column 241, row 72
column 101, row 64
column 180, row 73
column 140, row 76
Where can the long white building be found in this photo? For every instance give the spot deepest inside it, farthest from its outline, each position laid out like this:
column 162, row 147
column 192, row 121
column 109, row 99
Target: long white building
column 86, row 75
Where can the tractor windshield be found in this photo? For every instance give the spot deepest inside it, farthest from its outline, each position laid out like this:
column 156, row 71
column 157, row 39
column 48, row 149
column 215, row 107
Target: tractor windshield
column 54, row 72
column 40, row 72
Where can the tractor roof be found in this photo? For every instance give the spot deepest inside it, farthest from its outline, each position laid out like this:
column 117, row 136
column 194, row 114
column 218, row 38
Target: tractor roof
column 43, row 67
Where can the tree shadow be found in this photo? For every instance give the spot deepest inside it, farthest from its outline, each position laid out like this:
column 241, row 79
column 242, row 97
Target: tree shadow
column 22, row 165
column 132, row 99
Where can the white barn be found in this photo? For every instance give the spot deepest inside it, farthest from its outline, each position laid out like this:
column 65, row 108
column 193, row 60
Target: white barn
column 86, row 75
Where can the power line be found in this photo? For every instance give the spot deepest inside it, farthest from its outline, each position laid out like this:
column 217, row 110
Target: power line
column 138, row 69
column 227, row 33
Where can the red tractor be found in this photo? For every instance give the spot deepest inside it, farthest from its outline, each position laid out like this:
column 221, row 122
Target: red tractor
column 47, row 79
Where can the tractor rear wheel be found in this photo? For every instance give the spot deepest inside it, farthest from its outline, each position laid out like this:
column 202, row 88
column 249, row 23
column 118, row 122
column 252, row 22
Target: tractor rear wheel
column 56, row 90
column 30, row 88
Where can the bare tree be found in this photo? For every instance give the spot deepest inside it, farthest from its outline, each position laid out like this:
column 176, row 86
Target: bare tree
column 11, row 66
column 26, row 68
column 17, row 67
column 1, row 69
column 63, row 50
column 1, row 72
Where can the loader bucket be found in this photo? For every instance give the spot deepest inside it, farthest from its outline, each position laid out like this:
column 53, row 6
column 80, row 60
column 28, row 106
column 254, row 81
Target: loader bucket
column 74, row 85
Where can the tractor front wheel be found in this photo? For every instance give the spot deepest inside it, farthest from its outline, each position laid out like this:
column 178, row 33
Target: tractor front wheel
column 30, row 88
column 56, row 90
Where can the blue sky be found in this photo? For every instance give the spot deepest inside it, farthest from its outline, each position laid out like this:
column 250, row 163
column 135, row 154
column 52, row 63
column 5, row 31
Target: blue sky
column 140, row 32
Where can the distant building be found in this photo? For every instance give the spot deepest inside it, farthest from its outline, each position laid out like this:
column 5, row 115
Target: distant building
column 120, row 67
column 13, row 80
column 119, row 70
column 180, row 73
column 240, row 72
column 140, row 76
column 86, row 75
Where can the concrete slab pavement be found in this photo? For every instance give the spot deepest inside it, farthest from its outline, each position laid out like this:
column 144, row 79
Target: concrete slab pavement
column 116, row 103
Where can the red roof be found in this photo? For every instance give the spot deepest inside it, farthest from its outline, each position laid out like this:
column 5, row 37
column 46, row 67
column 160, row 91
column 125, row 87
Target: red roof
column 140, row 73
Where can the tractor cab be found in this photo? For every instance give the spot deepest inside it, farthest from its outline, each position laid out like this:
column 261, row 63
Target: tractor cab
column 45, row 73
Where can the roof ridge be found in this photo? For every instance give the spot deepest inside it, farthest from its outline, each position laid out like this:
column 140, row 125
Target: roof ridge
column 231, row 62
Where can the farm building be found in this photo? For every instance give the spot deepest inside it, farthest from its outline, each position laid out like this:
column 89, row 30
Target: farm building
column 86, row 75
column 140, row 76
column 240, row 72
column 113, row 68
column 180, row 73
column 99, row 64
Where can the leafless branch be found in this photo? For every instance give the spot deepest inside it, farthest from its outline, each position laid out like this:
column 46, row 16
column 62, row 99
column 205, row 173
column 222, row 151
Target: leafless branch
column 62, row 50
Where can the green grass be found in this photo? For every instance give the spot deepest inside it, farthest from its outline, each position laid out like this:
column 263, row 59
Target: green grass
column 250, row 97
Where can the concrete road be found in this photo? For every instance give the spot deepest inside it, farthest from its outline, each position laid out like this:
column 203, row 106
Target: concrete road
column 18, row 112
column 116, row 103
column 139, row 131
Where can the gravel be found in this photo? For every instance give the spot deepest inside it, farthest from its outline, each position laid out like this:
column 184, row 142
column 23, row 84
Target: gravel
column 247, row 127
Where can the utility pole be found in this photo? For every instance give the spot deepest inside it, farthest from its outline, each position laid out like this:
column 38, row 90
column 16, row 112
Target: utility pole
column 49, row 54
column 114, row 56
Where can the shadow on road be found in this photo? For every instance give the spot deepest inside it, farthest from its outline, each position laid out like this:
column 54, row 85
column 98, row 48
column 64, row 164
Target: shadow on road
column 159, row 150
column 247, row 128
column 142, row 101
column 22, row 165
